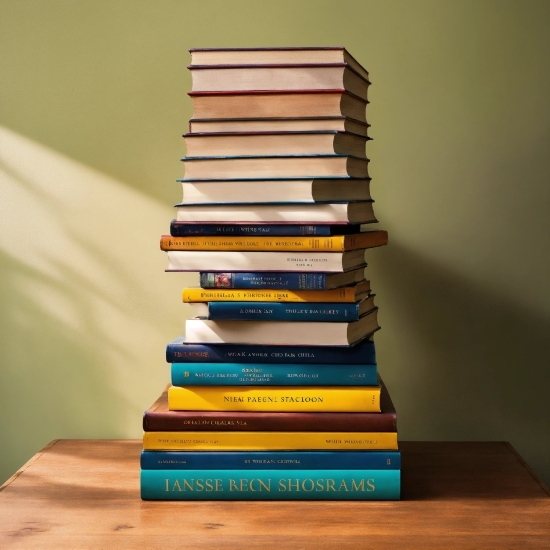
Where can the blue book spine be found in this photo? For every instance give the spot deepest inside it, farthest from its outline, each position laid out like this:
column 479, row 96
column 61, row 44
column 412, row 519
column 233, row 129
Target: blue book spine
column 273, row 484
column 264, row 374
column 279, row 281
column 178, row 351
column 269, row 460
column 283, row 311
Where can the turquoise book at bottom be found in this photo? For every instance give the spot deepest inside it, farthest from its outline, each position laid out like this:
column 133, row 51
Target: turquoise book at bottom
column 270, row 485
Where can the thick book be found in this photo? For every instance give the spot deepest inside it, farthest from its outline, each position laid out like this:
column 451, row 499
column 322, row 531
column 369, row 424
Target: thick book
column 360, row 212
column 282, row 281
column 273, row 167
column 265, row 374
column 270, row 484
column 348, row 294
column 276, row 56
column 282, row 105
column 275, row 398
column 295, row 124
column 280, row 77
column 280, row 333
column 269, row 441
column 209, row 260
column 305, row 190
column 264, row 143
column 158, row 418
column 268, row 460
column 181, row 351
column 336, row 243
column 183, row 229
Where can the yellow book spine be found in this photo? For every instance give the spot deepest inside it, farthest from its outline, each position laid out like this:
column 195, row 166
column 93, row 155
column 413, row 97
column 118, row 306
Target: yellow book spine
column 334, row 243
column 275, row 398
column 268, row 441
column 344, row 294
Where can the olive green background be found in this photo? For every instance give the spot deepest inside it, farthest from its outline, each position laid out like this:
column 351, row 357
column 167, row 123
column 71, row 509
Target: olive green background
column 93, row 105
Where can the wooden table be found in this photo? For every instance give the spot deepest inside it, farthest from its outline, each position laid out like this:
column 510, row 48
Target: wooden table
column 79, row 494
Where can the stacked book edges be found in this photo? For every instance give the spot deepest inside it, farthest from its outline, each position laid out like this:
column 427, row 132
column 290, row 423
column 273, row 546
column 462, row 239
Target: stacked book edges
column 275, row 389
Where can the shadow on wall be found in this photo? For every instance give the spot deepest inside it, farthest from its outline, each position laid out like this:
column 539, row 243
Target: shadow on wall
column 86, row 306
column 461, row 361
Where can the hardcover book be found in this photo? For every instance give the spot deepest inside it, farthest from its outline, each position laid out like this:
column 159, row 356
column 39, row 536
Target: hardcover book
column 183, row 229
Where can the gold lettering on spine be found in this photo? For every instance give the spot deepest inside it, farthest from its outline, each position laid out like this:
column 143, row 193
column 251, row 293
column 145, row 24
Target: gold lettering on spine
column 370, row 485
column 305, row 486
column 343, row 486
column 187, row 485
column 176, row 485
column 330, row 485
column 166, row 487
column 360, row 487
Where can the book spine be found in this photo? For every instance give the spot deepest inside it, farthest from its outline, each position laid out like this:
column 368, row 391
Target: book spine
column 266, row 460
column 276, row 311
column 270, row 485
column 343, row 294
column 274, row 398
column 269, row 441
column 180, row 352
column 277, row 281
column 262, row 374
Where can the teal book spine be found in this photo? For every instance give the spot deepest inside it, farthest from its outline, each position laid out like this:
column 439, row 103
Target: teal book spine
column 265, row 374
column 270, row 485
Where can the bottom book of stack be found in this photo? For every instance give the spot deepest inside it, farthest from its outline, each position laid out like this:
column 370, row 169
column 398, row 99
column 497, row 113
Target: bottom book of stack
column 249, row 455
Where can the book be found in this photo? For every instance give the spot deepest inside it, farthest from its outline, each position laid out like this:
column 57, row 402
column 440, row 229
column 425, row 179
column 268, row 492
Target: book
column 278, row 333
column 336, row 243
column 262, row 374
column 209, row 260
column 158, row 418
column 180, row 351
column 270, row 485
column 295, row 124
column 267, row 460
column 268, row 441
column 275, row 56
column 182, row 229
column 273, row 167
column 335, row 312
column 344, row 294
column 264, row 143
column 276, row 191
column 282, row 281
column 295, row 213
column 280, row 77
column 275, row 398
column 284, row 105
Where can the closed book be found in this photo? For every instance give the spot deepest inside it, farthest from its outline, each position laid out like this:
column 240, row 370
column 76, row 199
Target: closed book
column 309, row 191
column 336, row 243
column 268, row 460
column 209, row 260
column 269, row 167
column 349, row 294
column 275, row 398
column 181, row 351
column 264, row 143
column 295, row 213
column 270, row 485
column 283, row 77
column 158, row 419
column 265, row 374
column 296, row 124
column 183, row 229
column 280, row 333
column 282, row 104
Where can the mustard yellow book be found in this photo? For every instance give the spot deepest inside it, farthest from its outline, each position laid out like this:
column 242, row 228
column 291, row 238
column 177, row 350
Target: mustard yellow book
column 348, row 294
column 275, row 398
column 335, row 243
column 268, row 441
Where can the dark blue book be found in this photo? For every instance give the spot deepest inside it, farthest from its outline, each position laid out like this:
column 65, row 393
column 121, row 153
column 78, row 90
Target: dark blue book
column 282, row 280
column 264, row 374
column 267, row 460
column 179, row 352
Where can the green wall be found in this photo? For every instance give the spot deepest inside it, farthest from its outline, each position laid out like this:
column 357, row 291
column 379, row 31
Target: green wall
column 93, row 104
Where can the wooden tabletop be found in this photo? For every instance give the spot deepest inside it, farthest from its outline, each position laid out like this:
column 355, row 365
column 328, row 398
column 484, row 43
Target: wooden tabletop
column 79, row 494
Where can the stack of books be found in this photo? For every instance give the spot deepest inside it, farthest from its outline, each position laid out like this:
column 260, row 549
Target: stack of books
column 275, row 388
